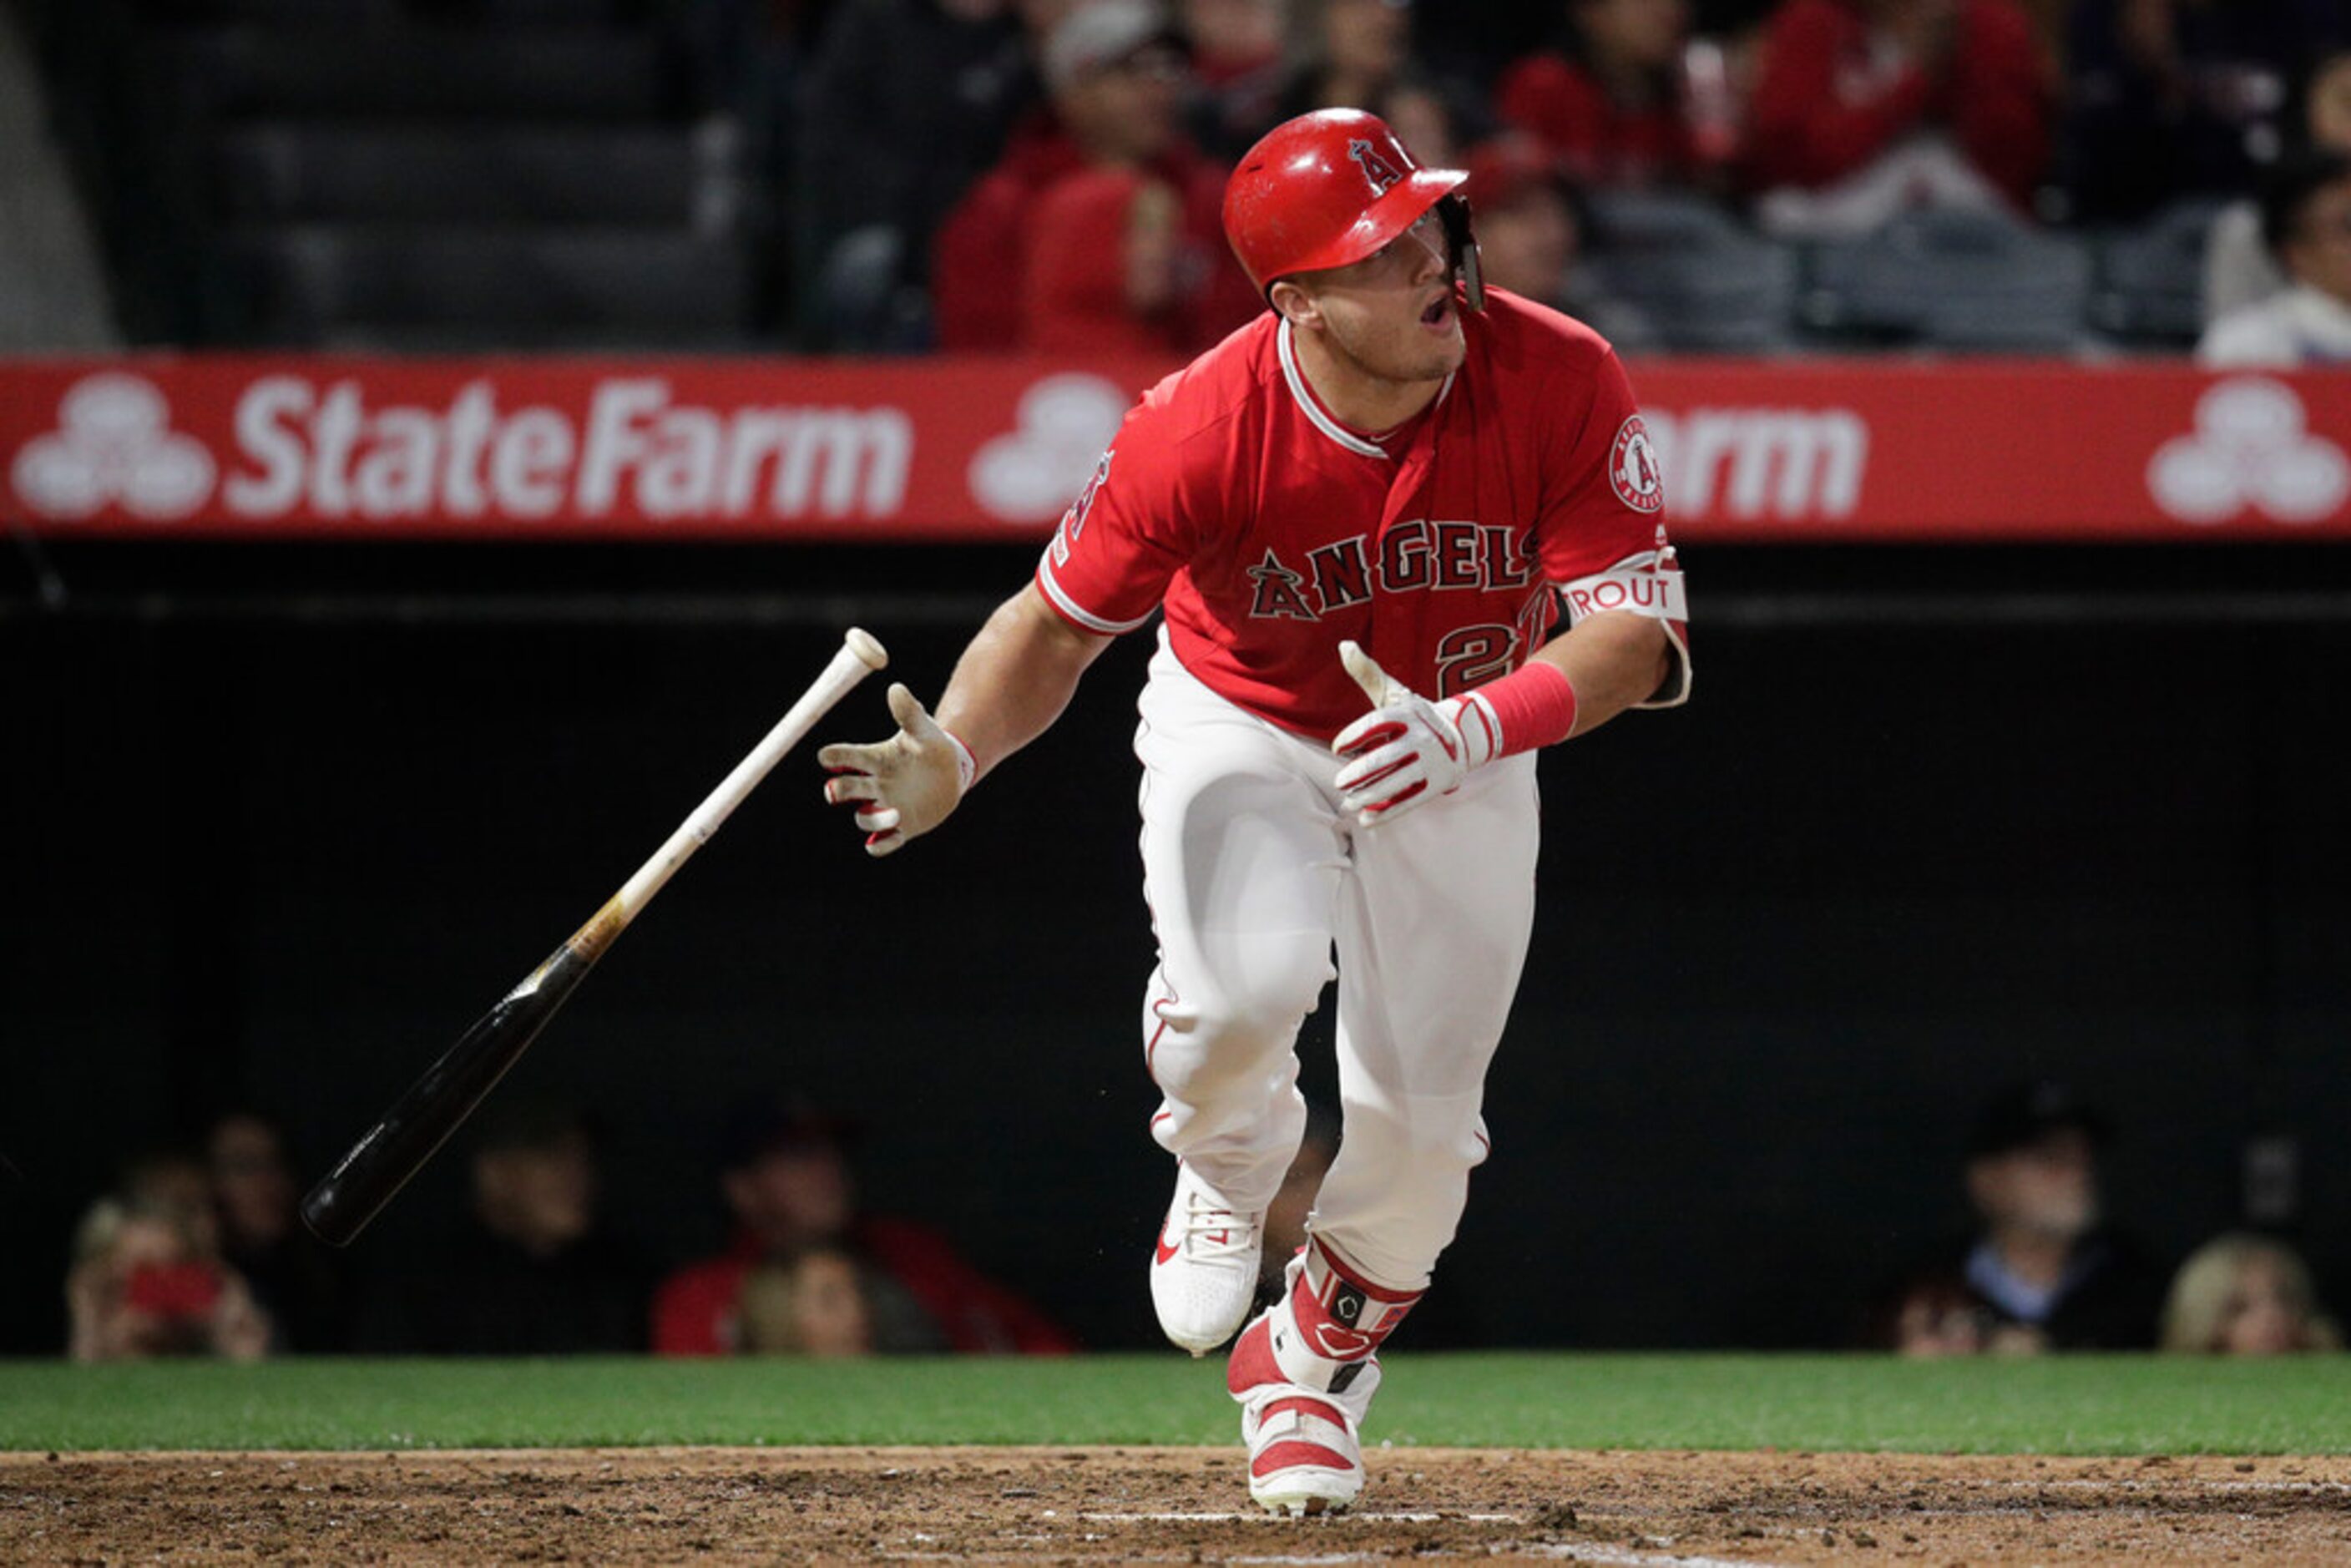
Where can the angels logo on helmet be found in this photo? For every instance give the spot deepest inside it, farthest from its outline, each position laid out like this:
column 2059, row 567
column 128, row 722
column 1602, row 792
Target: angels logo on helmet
column 1377, row 169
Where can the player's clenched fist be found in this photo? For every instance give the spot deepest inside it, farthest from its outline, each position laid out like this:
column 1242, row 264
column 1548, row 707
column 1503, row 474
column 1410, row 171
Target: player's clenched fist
column 1406, row 748
column 904, row 786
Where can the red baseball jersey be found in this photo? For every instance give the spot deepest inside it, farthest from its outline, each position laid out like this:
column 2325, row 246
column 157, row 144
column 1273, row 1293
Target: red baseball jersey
column 1269, row 531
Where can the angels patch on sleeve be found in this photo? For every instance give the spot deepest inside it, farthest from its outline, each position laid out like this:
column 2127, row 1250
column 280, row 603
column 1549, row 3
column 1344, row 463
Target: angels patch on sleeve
column 1633, row 469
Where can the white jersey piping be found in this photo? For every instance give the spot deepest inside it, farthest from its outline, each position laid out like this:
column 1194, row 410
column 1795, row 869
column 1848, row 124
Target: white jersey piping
column 1315, row 412
column 1079, row 613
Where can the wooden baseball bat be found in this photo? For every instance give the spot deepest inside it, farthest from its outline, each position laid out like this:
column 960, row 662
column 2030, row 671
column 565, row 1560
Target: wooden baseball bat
column 388, row 1153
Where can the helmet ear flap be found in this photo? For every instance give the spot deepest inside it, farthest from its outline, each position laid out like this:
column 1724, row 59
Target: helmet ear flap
column 1462, row 242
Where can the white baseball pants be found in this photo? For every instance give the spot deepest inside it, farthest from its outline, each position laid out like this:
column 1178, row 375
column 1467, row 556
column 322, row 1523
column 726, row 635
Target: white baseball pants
column 1254, row 878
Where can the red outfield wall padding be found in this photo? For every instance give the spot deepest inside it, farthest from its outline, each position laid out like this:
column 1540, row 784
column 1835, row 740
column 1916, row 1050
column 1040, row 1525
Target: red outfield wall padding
column 321, row 447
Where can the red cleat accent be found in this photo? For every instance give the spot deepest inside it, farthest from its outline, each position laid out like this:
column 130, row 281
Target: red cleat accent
column 1305, row 1407
column 1294, row 1456
column 1252, row 1365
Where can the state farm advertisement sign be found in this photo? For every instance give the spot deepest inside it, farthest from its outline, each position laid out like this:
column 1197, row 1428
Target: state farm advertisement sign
column 560, row 448
column 964, row 449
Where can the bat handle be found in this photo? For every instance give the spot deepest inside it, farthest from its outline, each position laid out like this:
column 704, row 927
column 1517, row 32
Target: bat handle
column 860, row 654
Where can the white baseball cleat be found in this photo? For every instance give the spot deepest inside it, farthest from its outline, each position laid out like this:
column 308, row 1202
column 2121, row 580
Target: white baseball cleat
column 1204, row 1266
column 1305, row 1457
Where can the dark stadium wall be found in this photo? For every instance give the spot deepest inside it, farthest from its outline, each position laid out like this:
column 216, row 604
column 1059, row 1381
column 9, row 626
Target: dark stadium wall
column 282, row 853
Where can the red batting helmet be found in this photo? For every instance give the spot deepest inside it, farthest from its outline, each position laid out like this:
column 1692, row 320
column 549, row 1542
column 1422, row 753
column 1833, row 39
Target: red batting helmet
column 1332, row 187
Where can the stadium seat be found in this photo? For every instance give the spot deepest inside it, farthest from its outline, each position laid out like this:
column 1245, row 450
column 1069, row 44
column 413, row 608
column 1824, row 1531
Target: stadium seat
column 543, row 12
column 1704, row 284
column 312, row 285
column 331, row 171
column 392, row 13
column 1952, row 279
column 272, row 13
column 2149, row 291
column 419, row 72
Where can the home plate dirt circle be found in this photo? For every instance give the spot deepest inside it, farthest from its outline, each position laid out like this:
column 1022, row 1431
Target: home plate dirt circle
column 1160, row 1505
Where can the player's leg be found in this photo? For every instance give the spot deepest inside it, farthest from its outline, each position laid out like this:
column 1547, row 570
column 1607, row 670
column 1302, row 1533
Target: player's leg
column 1432, row 938
column 1242, row 859
column 1432, row 934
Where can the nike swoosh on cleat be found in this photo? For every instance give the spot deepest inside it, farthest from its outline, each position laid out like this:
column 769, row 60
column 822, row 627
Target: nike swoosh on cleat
column 1166, row 1254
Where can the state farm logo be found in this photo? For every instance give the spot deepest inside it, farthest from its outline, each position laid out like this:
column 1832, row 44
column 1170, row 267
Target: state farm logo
column 2251, row 449
column 114, row 446
column 637, row 447
column 329, row 449
column 1065, row 423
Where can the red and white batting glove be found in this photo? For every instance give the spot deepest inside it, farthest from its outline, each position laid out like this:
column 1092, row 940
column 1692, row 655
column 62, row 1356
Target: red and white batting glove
column 904, row 786
column 1408, row 748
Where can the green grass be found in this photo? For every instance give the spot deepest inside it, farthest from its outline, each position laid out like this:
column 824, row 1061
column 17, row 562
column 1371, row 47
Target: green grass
column 2081, row 1405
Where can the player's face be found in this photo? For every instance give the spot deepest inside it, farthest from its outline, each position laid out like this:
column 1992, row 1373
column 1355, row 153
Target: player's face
column 1392, row 315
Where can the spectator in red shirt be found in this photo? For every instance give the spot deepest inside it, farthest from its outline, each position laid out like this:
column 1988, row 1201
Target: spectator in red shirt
column 1115, row 76
column 1866, row 108
column 786, row 1179
column 1607, row 101
column 1106, row 269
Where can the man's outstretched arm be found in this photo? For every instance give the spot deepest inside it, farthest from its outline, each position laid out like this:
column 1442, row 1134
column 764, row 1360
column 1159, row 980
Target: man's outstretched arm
column 1013, row 681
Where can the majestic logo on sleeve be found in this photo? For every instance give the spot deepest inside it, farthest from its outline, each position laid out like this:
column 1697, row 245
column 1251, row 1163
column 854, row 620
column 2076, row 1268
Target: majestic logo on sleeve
column 1633, row 467
column 1073, row 521
column 1376, row 169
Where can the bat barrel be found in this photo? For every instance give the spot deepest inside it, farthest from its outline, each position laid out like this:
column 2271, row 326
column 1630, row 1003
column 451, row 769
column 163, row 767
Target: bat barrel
column 372, row 1172
column 342, row 1203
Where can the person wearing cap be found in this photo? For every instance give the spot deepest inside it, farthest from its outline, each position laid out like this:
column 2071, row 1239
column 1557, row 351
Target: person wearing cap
column 1114, row 71
column 1399, row 533
column 785, row 1177
column 2043, row 1270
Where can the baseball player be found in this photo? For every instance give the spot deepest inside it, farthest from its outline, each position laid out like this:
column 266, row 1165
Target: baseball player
column 1359, row 519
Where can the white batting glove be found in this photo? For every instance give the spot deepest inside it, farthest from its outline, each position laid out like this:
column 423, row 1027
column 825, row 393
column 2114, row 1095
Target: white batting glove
column 906, row 785
column 1406, row 749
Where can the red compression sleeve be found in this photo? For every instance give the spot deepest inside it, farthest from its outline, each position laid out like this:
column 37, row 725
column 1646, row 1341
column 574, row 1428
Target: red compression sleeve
column 1532, row 705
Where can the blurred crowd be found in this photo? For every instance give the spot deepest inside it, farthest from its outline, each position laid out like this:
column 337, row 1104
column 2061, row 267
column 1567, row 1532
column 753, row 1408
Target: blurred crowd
column 2046, row 1268
column 905, row 176
column 200, row 1251
column 1044, row 174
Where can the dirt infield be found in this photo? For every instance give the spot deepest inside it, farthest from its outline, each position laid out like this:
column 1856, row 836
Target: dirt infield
column 1186, row 1505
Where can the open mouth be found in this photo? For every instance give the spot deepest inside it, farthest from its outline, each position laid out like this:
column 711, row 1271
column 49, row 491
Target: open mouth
column 1439, row 309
